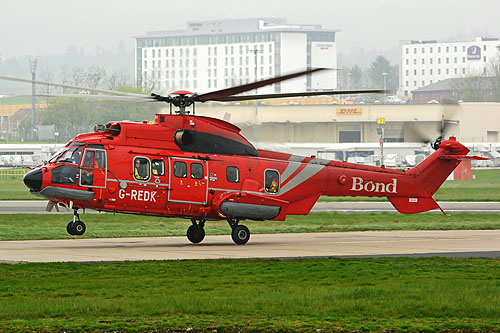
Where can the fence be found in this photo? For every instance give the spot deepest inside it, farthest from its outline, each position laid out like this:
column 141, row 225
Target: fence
column 13, row 172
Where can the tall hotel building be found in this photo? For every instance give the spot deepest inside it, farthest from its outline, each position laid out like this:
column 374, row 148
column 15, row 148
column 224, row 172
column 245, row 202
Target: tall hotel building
column 427, row 62
column 213, row 55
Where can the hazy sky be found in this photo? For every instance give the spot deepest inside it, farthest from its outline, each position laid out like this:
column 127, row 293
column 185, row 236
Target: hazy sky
column 43, row 27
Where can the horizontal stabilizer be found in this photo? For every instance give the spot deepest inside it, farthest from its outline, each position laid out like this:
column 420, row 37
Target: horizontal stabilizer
column 407, row 205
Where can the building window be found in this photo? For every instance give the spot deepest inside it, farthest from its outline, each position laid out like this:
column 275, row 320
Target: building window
column 484, row 47
column 430, row 49
column 430, row 60
column 439, row 71
column 463, row 60
column 423, row 71
column 414, row 61
column 456, row 71
column 423, row 83
column 456, row 60
column 463, row 70
column 145, row 64
column 154, row 56
column 447, row 60
column 406, row 50
column 407, row 62
column 407, row 72
column 414, row 72
column 463, row 48
column 447, row 49
column 423, row 50
column 447, row 71
column 430, row 70
column 439, row 49
column 145, row 53
column 159, row 53
column 414, row 50
column 407, row 83
column 423, row 61
column 456, row 49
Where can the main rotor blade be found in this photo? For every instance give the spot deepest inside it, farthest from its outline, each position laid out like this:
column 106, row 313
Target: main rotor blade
column 104, row 91
column 298, row 94
column 215, row 95
column 145, row 98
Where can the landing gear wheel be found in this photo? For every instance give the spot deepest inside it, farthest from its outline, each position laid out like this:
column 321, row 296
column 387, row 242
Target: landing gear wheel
column 69, row 228
column 240, row 234
column 78, row 228
column 196, row 232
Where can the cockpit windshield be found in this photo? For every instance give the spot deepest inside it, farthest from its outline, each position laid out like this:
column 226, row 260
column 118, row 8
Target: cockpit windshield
column 65, row 155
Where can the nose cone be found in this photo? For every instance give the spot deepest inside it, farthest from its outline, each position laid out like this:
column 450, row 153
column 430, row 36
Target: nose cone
column 33, row 180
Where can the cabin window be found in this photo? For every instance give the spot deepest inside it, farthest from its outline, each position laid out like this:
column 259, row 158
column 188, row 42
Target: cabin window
column 141, row 168
column 233, row 174
column 180, row 169
column 197, row 171
column 158, row 167
column 272, row 181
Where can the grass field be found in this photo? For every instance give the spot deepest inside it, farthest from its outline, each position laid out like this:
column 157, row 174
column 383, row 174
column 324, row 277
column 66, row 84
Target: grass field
column 486, row 187
column 53, row 226
column 387, row 294
column 396, row 294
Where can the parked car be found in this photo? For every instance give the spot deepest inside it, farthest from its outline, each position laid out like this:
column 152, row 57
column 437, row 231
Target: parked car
column 393, row 100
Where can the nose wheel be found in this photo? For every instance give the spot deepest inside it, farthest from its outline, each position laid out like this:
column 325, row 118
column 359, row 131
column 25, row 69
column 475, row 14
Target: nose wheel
column 76, row 227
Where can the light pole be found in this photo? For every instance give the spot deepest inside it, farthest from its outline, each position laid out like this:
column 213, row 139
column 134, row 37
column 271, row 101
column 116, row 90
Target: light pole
column 385, row 82
column 255, row 51
column 33, row 108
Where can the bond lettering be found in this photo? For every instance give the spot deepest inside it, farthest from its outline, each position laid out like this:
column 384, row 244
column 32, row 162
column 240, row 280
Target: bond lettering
column 359, row 184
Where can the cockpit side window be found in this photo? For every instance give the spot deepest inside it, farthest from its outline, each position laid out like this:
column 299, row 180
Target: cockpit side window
column 88, row 162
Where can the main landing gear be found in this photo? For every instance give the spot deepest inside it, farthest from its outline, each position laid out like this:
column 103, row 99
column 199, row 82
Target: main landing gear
column 240, row 233
column 196, row 232
column 76, row 227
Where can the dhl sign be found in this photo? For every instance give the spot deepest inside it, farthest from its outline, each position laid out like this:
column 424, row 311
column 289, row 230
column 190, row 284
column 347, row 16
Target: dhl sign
column 349, row 111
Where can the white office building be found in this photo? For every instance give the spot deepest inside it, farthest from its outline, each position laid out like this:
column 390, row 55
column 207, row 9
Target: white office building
column 427, row 62
column 213, row 55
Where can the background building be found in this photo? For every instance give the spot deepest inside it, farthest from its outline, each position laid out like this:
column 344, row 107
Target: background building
column 213, row 55
column 427, row 62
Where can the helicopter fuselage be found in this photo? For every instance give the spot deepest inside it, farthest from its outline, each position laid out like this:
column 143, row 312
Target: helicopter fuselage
column 203, row 169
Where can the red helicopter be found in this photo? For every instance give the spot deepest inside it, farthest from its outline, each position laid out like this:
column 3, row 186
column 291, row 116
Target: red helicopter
column 203, row 169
